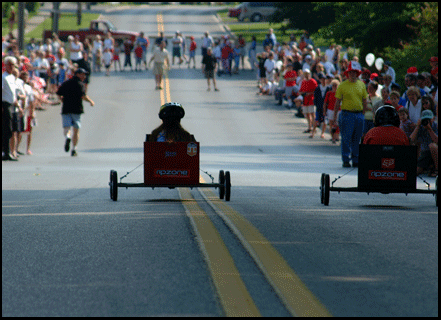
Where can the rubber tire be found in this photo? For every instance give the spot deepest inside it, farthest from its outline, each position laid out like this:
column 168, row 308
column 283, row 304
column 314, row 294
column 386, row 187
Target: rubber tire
column 113, row 185
column 222, row 183
column 227, row 186
column 322, row 186
column 257, row 17
column 326, row 190
column 110, row 185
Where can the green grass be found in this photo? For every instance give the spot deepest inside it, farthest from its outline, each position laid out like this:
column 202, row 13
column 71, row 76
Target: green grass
column 66, row 22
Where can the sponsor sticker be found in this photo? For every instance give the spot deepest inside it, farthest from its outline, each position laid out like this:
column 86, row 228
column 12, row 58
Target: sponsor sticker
column 387, row 175
column 165, row 173
column 388, row 163
column 192, row 149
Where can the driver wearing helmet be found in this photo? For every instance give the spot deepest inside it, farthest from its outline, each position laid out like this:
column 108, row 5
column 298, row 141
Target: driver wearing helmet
column 171, row 130
column 386, row 130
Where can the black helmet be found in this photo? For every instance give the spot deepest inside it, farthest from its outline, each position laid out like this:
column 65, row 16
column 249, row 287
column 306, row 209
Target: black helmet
column 387, row 115
column 171, row 110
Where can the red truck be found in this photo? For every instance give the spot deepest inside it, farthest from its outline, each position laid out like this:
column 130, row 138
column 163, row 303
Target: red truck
column 100, row 27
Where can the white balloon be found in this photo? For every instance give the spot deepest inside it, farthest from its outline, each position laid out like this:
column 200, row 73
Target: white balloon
column 379, row 64
column 370, row 58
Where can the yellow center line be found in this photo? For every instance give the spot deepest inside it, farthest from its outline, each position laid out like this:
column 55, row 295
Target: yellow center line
column 297, row 298
column 233, row 294
column 231, row 290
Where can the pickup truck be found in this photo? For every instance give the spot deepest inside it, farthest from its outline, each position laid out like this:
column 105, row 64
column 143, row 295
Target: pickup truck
column 100, row 27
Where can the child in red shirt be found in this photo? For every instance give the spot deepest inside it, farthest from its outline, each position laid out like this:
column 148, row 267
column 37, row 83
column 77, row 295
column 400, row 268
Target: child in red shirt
column 308, row 86
column 138, row 55
column 193, row 47
column 328, row 110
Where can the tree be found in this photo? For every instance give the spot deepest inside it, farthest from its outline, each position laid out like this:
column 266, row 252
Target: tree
column 302, row 15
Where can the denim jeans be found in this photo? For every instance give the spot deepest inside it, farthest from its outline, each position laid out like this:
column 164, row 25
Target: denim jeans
column 351, row 130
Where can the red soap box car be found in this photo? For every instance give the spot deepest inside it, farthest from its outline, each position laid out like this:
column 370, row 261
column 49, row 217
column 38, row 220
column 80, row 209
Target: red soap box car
column 171, row 165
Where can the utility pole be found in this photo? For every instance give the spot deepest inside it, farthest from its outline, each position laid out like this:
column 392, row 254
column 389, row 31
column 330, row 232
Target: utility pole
column 21, row 26
column 79, row 13
column 55, row 16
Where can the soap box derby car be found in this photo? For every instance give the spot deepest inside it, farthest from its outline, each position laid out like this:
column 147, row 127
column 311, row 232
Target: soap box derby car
column 382, row 169
column 171, row 165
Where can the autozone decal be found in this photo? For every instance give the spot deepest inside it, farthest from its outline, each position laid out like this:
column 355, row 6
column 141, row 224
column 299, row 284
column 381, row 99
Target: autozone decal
column 387, row 175
column 172, row 173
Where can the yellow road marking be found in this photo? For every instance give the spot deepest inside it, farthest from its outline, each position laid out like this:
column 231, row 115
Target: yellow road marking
column 233, row 294
column 297, row 298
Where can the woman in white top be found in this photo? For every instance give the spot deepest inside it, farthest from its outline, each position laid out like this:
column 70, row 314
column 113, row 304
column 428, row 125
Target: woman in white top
column 414, row 104
column 76, row 50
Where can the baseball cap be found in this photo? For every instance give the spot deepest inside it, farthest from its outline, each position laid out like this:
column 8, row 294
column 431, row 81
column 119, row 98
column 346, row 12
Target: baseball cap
column 427, row 114
column 81, row 70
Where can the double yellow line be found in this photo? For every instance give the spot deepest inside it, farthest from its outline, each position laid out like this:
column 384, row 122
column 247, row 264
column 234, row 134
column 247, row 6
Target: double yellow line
column 234, row 297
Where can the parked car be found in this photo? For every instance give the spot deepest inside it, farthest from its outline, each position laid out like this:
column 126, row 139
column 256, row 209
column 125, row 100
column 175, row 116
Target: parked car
column 235, row 12
column 100, row 27
column 256, row 11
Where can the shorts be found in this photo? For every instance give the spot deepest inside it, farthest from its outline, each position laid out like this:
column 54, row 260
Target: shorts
column 158, row 68
column 209, row 74
column 192, row 54
column 308, row 109
column 425, row 160
column 17, row 122
column 177, row 52
column 319, row 116
column 71, row 120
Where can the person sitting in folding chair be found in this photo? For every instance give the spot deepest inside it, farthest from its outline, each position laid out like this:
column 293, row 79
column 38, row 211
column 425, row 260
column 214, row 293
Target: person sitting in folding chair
column 387, row 128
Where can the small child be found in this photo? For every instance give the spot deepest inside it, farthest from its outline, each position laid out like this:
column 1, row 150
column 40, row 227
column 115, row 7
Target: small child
column 107, row 59
column 193, row 47
column 116, row 52
column 405, row 123
column 138, row 57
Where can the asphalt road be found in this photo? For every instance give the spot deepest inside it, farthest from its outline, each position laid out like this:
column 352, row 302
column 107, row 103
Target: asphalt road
column 68, row 250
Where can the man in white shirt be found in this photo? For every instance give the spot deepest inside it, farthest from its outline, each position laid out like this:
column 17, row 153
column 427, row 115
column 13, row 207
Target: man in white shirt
column 207, row 41
column 329, row 53
column 9, row 103
column 160, row 55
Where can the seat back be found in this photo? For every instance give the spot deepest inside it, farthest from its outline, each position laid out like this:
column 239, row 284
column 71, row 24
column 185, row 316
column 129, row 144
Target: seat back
column 387, row 168
column 175, row 163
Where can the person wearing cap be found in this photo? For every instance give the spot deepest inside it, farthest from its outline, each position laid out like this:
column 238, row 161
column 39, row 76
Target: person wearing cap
column 9, row 104
column 192, row 52
column 426, row 134
column 171, row 130
column 387, row 128
column 72, row 92
column 351, row 96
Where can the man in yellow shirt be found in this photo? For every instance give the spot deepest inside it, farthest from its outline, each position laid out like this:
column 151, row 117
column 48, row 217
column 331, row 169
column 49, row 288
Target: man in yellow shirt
column 351, row 96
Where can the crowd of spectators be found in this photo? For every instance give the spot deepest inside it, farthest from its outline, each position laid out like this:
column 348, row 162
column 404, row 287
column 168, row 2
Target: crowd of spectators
column 297, row 73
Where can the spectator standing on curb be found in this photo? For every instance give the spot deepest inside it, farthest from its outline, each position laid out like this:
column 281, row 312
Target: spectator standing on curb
column 307, row 88
column 209, row 63
column 72, row 93
column 9, row 102
column 160, row 56
column 144, row 42
column 352, row 96
column 128, row 46
column 193, row 47
column 207, row 41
